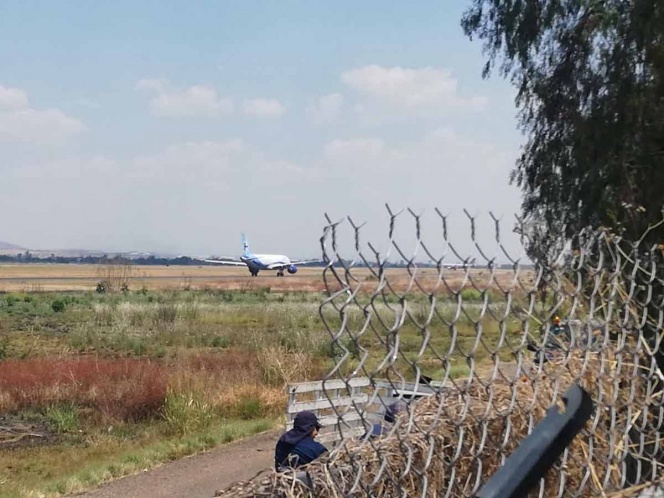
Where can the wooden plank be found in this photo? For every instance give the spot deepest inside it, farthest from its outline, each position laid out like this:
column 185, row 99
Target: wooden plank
column 299, row 406
column 411, row 389
column 336, row 437
column 345, row 418
column 303, row 387
column 336, row 419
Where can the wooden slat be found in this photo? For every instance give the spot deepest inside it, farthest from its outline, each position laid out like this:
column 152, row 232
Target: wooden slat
column 299, row 406
column 329, row 420
column 304, row 387
column 335, row 436
column 410, row 389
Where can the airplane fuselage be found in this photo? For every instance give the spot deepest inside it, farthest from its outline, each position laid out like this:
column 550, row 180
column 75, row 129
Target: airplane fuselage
column 257, row 262
column 264, row 261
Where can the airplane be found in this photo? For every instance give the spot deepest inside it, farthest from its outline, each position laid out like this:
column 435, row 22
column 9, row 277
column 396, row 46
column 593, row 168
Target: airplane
column 458, row 266
column 258, row 262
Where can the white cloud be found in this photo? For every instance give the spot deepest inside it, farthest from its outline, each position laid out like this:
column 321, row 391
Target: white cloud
column 71, row 168
column 424, row 89
column 441, row 169
column 12, row 99
column 87, row 103
column 327, row 108
column 263, row 108
column 355, row 152
column 21, row 123
column 197, row 100
column 195, row 160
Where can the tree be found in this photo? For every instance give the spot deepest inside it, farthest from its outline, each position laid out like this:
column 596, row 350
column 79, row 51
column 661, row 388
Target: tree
column 590, row 80
column 115, row 274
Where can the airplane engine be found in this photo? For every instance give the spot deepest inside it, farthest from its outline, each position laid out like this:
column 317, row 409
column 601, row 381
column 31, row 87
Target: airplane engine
column 292, row 269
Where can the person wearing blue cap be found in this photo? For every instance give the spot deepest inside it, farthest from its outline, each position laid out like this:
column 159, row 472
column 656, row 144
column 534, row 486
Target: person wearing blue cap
column 297, row 446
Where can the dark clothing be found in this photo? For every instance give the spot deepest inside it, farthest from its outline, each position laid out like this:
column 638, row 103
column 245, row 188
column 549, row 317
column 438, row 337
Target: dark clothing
column 296, row 447
column 305, row 451
column 379, row 430
column 304, row 423
column 390, row 418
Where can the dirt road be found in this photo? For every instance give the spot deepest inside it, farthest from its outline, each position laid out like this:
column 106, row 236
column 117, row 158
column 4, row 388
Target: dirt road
column 199, row 475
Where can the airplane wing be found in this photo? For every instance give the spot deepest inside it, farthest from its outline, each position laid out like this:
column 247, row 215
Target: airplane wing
column 281, row 266
column 225, row 263
column 306, row 262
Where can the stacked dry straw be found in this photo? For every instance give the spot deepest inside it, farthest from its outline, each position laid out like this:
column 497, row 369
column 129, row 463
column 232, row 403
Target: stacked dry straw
column 450, row 444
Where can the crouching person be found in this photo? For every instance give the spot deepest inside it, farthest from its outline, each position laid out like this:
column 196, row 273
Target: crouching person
column 297, row 446
column 389, row 419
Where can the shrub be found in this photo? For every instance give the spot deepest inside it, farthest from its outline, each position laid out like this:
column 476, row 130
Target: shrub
column 4, row 348
column 58, row 306
column 471, row 296
column 187, row 412
column 166, row 314
column 280, row 367
column 250, row 408
column 114, row 389
column 219, row 341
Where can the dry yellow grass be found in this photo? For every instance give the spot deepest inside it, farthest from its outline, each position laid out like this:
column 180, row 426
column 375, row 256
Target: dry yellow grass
column 466, row 450
column 72, row 277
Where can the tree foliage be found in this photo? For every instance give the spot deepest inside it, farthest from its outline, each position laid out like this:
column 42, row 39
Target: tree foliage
column 590, row 80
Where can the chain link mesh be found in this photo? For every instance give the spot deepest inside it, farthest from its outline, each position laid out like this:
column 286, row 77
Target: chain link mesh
column 482, row 341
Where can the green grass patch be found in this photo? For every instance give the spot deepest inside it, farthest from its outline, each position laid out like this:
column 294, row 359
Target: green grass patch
column 63, row 417
column 63, row 469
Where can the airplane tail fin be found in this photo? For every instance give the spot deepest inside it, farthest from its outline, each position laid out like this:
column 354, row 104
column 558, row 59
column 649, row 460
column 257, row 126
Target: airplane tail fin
column 245, row 246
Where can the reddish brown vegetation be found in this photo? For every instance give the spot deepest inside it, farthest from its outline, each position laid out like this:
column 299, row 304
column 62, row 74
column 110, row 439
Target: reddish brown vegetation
column 133, row 389
column 230, row 367
column 117, row 389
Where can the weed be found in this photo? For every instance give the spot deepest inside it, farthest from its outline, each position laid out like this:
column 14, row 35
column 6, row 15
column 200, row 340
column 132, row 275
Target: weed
column 115, row 389
column 4, row 348
column 165, row 314
column 187, row 412
column 279, row 367
column 58, row 306
column 63, row 417
column 471, row 296
column 250, row 408
column 219, row 341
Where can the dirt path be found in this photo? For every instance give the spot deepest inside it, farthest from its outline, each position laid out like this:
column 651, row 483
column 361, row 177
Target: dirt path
column 199, row 475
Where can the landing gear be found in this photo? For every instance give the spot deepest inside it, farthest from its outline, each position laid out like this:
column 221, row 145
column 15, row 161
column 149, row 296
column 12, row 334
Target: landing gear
column 254, row 273
column 280, row 273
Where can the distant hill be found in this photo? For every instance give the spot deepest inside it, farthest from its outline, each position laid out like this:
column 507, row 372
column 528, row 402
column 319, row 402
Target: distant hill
column 6, row 246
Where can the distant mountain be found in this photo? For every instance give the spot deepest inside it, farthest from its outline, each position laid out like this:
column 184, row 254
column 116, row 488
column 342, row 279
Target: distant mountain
column 6, row 246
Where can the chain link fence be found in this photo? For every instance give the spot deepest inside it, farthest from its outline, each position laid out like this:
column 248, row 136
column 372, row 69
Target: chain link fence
column 494, row 344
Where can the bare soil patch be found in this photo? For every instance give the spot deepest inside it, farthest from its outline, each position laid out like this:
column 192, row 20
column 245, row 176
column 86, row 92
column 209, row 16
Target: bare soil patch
column 17, row 432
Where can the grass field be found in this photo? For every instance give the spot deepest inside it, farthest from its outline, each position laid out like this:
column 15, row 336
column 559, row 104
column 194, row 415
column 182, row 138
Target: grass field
column 94, row 386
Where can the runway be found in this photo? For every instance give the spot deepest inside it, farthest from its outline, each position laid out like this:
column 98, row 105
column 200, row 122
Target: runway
column 81, row 277
column 149, row 277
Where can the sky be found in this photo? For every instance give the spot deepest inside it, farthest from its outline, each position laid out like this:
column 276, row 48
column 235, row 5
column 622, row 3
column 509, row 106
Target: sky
column 175, row 126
